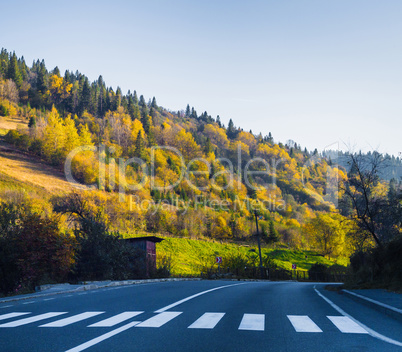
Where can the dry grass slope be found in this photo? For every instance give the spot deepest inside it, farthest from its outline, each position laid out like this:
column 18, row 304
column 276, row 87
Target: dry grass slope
column 31, row 170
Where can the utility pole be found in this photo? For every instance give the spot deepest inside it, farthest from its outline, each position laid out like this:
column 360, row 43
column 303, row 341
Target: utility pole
column 259, row 244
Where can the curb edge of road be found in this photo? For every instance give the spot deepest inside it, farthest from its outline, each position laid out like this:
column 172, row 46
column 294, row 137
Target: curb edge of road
column 88, row 287
column 382, row 307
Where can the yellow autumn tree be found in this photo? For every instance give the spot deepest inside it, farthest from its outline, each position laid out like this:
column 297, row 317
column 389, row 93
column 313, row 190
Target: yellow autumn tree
column 59, row 88
column 187, row 146
column 54, row 137
column 217, row 135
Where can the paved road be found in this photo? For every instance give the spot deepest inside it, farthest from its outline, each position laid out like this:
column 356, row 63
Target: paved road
column 197, row 316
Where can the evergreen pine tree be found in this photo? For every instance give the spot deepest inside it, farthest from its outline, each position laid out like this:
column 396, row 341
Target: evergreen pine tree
column 139, row 146
column 231, row 130
column 273, row 234
column 152, row 113
column 4, row 61
column 193, row 113
column 135, row 98
column 218, row 121
column 32, row 122
column 56, row 71
column 14, row 71
column 41, row 79
column 85, row 100
column 208, row 147
column 270, row 138
column 146, row 124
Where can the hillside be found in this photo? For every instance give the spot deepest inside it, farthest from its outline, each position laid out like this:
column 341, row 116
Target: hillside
column 28, row 170
column 178, row 173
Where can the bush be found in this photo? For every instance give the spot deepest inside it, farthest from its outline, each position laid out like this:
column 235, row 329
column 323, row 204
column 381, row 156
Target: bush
column 318, row 272
column 164, row 268
column 3, row 110
column 32, row 249
column 12, row 137
column 380, row 266
column 101, row 254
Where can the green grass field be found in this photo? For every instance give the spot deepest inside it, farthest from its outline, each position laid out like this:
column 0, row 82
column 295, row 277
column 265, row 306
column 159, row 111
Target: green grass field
column 189, row 257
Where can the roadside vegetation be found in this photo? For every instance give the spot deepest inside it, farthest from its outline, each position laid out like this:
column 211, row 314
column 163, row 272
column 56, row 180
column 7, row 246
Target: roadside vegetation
column 196, row 194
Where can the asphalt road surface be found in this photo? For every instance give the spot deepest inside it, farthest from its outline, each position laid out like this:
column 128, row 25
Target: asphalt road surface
column 197, row 316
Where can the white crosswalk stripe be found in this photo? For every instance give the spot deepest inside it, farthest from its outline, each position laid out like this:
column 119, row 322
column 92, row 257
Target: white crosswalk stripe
column 347, row 325
column 117, row 319
column 207, row 321
column 302, row 323
column 12, row 315
column 254, row 322
column 30, row 320
column 71, row 320
column 159, row 320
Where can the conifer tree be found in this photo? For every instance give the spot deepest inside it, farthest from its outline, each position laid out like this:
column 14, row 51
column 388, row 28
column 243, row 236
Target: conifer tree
column 270, row 138
column 32, row 122
column 4, row 61
column 146, row 123
column 139, row 146
column 85, row 96
column 273, row 234
column 41, row 79
column 193, row 113
column 135, row 98
column 14, row 71
column 231, row 130
column 208, row 147
column 153, row 104
column 218, row 121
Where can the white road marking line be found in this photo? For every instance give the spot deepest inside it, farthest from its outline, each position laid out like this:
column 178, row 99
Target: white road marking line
column 7, row 306
column 103, row 337
column 127, row 326
column 194, row 296
column 70, row 320
column 376, row 302
column 370, row 331
column 30, row 302
column 25, row 321
column 253, row 322
column 49, row 299
column 158, row 320
column 112, row 321
column 12, row 315
column 302, row 323
column 347, row 325
column 207, row 321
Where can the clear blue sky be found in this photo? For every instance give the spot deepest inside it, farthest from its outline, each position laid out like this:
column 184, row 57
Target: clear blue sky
column 318, row 72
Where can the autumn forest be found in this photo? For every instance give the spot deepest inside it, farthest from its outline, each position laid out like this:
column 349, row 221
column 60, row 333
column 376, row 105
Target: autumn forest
column 136, row 168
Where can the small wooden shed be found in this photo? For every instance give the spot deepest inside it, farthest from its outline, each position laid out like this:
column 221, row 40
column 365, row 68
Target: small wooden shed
column 148, row 246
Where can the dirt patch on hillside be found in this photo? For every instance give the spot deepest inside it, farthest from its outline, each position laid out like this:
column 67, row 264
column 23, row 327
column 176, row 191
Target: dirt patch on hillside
column 27, row 168
column 12, row 123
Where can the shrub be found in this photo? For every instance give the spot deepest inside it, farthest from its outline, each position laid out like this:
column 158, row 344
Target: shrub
column 12, row 137
column 380, row 266
column 318, row 272
column 32, row 249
